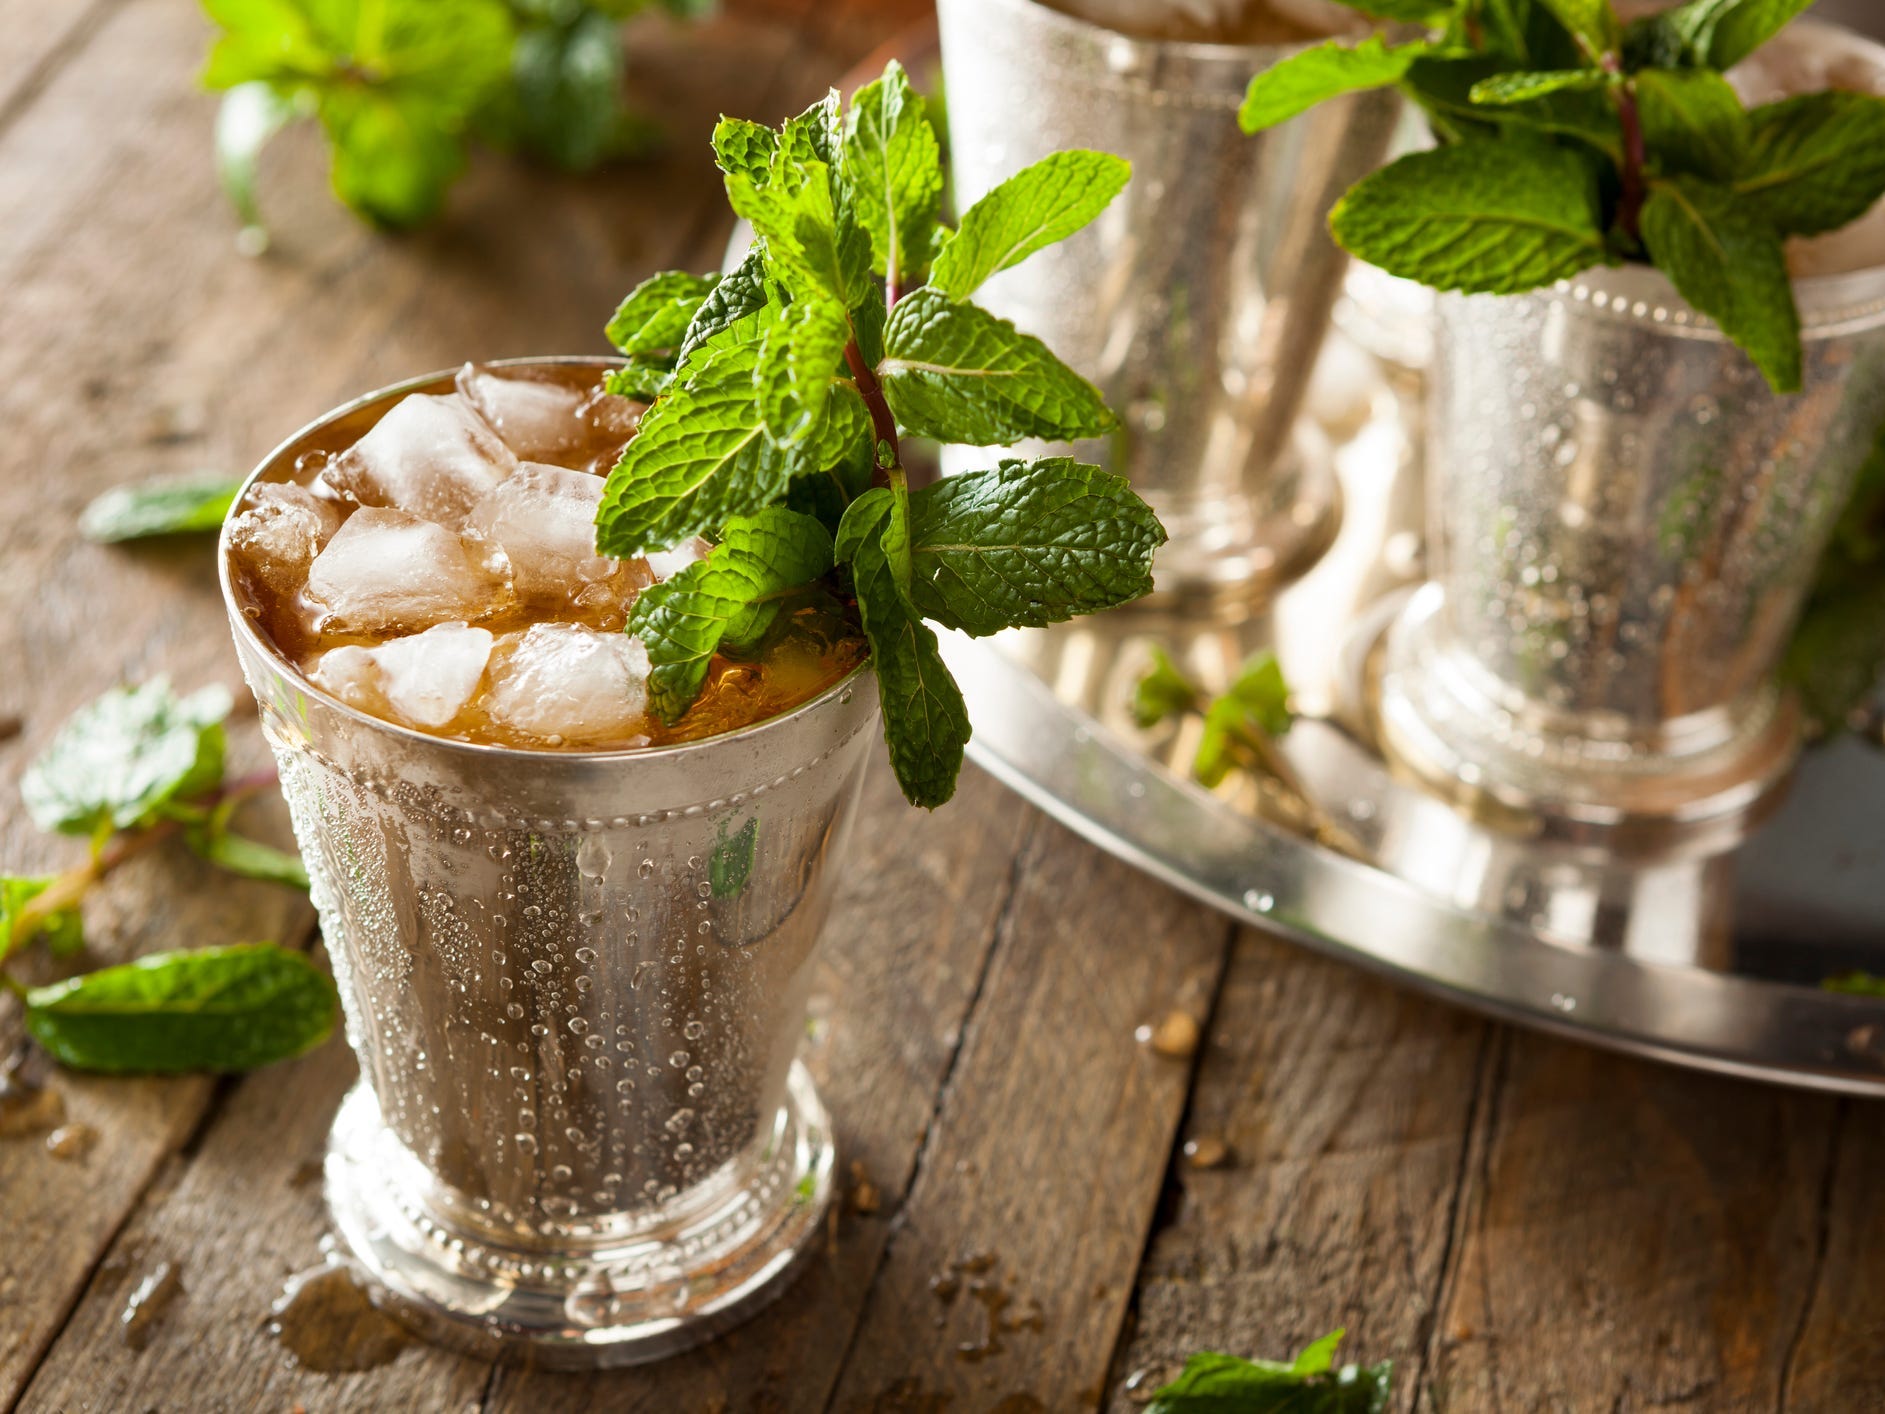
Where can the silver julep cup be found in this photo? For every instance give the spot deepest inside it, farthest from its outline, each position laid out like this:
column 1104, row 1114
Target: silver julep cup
column 576, row 986
column 1198, row 301
column 1623, row 523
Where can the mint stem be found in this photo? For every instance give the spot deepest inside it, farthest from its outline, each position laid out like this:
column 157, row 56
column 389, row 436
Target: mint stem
column 1635, row 159
column 883, row 422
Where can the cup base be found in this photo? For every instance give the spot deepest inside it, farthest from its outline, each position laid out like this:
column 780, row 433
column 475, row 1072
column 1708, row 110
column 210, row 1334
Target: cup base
column 1692, row 792
column 669, row 1289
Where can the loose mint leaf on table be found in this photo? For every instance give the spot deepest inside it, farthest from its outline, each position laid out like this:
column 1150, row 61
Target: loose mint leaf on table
column 1693, row 121
column 1730, row 266
column 250, row 858
column 1522, row 87
column 960, row 374
column 1298, row 83
column 728, row 599
column 1028, row 545
column 1814, row 163
column 894, row 167
column 61, row 931
column 1480, row 217
column 216, row 1009
column 117, row 763
column 1224, row 1384
column 926, row 722
column 169, row 507
column 1038, row 206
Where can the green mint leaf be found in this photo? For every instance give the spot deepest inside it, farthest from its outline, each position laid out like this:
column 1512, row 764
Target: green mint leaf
column 216, row 1009
column 61, row 931
column 1592, row 23
column 1444, row 88
column 394, row 159
column 860, row 524
column 731, row 864
column 1163, row 692
column 701, row 457
column 264, row 40
column 657, row 313
column 744, row 148
column 1304, row 79
column 249, row 115
column 839, row 447
column 816, row 135
column 959, row 374
column 566, row 98
column 797, row 366
column 804, row 213
column 1814, row 163
column 926, row 723
column 1029, row 544
column 1411, row 12
column 1239, row 726
column 894, row 167
column 1259, row 689
column 729, row 595
column 1714, row 34
column 1484, row 219
column 1742, row 26
column 894, row 539
column 1224, row 1384
column 737, row 312
column 1692, row 122
column 250, row 858
column 1730, row 265
column 1855, row 984
column 117, row 762
column 1837, row 655
column 644, row 378
column 169, row 507
column 1039, row 205
column 1522, row 87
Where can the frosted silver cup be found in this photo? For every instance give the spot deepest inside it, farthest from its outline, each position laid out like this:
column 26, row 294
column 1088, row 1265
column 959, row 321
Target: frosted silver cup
column 576, row 988
column 1199, row 299
column 1624, row 520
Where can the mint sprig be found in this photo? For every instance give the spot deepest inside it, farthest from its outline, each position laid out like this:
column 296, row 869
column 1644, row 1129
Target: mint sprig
column 1213, row 1383
column 780, row 409
column 1570, row 140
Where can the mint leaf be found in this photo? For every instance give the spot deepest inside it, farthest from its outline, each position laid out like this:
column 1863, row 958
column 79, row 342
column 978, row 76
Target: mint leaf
column 730, row 596
column 1475, row 217
column 1592, row 23
column 1692, row 121
column 1223, row 1384
column 170, row 507
column 1239, row 724
column 701, row 457
column 1444, row 88
column 926, row 724
column 1301, row 81
column 61, row 931
column 894, row 167
column 217, row 1009
column 959, row 374
column 1729, row 265
column 860, row 524
column 1742, row 26
column 1029, row 544
column 731, row 864
column 655, row 316
column 1413, row 12
column 744, row 148
column 1039, row 205
column 1814, row 163
column 798, row 363
column 250, row 858
column 566, row 98
column 1714, row 34
column 737, row 311
column 1522, row 87
column 814, row 246
column 394, row 160
column 120, row 760
column 1163, row 692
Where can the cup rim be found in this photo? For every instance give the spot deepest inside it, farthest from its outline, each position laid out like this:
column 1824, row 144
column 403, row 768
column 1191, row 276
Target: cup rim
column 249, row 635
column 1198, row 51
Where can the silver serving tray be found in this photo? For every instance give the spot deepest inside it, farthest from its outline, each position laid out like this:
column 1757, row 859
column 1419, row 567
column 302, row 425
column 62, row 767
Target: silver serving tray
column 1712, row 962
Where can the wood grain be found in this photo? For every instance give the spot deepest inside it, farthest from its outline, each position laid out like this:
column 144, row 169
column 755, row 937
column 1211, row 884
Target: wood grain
column 1009, row 1267
column 1343, row 1108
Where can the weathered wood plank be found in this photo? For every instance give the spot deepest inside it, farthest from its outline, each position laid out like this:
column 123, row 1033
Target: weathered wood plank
column 36, row 41
column 1342, row 1109
column 1010, row 1263
column 1632, row 1237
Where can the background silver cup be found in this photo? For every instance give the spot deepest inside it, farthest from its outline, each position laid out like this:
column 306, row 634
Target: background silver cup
column 1198, row 301
column 575, row 985
column 1623, row 523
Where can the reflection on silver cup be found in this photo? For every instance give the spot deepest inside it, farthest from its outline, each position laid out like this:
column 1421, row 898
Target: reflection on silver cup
column 1198, row 300
column 575, row 985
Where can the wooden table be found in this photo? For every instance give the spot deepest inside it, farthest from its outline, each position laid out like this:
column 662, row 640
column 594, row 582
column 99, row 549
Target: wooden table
column 1520, row 1224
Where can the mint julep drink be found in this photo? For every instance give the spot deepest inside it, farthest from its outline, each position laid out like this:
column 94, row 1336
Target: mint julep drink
column 573, row 668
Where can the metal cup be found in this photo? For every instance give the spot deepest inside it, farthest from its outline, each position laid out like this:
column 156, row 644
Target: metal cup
column 576, row 985
column 1198, row 301
column 1624, row 522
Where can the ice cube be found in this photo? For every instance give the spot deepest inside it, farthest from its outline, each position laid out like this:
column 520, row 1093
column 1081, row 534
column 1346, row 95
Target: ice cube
column 544, row 520
column 433, row 457
column 424, row 678
column 665, row 564
column 566, row 684
column 387, row 570
column 280, row 531
column 539, row 421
